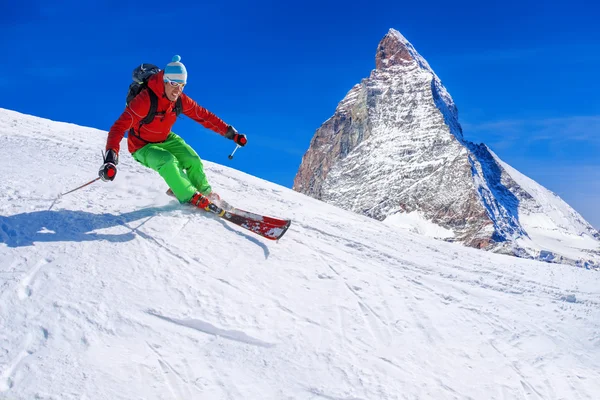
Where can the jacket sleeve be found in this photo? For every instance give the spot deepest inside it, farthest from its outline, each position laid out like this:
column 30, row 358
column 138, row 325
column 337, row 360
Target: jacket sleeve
column 130, row 118
column 202, row 115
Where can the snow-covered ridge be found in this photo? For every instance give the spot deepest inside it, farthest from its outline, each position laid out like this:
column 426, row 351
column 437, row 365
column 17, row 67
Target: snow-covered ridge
column 440, row 94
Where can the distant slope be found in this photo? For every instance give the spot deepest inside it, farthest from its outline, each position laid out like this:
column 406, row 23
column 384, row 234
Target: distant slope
column 554, row 229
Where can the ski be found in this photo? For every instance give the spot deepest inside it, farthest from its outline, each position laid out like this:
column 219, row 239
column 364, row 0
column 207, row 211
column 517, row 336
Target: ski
column 268, row 227
column 250, row 215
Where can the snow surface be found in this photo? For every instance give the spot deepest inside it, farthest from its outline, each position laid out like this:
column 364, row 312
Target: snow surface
column 416, row 222
column 118, row 292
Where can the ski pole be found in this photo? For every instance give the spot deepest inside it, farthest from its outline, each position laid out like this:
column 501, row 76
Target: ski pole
column 234, row 150
column 80, row 187
column 71, row 191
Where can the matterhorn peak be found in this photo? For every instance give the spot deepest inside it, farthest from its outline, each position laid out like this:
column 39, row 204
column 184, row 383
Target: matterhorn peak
column 394, row 150
column 395, row 50
column 392, row 51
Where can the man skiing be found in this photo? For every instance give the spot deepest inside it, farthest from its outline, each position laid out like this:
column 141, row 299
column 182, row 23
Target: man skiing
column 155, row 146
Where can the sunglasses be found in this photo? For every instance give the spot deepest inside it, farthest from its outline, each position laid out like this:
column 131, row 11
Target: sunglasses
column 175, row 84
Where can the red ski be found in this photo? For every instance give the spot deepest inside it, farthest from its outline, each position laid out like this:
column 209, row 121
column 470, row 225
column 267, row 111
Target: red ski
column 268, row 227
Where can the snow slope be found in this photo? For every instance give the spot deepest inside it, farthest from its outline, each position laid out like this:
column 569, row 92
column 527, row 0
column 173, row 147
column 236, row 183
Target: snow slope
column 552, row 226
column 118, row 292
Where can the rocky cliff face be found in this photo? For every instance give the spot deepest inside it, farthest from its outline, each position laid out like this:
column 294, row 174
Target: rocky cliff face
column 394, row 145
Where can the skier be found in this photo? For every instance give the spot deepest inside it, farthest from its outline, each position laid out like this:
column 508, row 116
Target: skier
column 155, row 146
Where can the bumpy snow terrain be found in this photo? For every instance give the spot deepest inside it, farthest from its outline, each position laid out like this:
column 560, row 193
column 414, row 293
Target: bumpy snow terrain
column 119, row 292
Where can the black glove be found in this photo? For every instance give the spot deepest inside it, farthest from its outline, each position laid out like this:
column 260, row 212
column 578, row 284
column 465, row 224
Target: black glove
column 108, row 171
column 239, row 138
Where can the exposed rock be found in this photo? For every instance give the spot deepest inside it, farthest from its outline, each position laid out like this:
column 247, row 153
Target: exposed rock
column 394, row 144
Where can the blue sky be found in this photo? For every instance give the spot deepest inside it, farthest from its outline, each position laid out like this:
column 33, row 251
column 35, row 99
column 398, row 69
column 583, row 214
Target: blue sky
column 524, row 77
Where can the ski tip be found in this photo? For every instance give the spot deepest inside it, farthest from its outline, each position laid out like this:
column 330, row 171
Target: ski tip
column 285, row 229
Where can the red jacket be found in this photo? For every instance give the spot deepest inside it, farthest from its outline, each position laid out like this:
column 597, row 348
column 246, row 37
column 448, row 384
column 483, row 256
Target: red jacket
column 160, row 127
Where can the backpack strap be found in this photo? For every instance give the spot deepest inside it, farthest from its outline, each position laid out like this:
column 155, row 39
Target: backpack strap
column 149, row 117
column 152, row 113
column 178, row 106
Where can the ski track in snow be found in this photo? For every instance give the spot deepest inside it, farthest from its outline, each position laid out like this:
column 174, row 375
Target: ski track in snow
column 25, row 285
column 178, row 384
column 6, row 381
column 208, row 328
column 119, row 293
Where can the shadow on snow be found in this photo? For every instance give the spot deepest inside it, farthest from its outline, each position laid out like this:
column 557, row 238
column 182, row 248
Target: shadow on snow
column 68, row 225
column 78, row 226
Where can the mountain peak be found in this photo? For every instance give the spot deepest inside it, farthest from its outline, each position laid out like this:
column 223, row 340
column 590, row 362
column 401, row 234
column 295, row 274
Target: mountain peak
column 394, row 148
column 393, row 50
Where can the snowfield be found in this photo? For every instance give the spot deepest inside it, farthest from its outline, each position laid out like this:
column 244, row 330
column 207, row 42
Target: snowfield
column 119, row 292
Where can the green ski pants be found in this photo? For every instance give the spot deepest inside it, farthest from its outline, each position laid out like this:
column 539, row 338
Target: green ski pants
column 178, row 164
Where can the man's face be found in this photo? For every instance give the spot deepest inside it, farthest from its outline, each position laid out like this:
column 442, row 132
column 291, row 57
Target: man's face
column 173, row 90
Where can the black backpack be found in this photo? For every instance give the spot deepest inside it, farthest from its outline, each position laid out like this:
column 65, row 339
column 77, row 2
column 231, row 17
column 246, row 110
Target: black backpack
column 140, row 77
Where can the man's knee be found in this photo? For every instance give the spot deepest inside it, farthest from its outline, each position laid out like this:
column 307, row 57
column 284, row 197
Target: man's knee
column 164, row 160
column 190, row 161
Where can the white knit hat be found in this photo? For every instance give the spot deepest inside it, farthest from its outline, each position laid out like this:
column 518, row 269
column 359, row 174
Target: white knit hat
column 175, row 71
